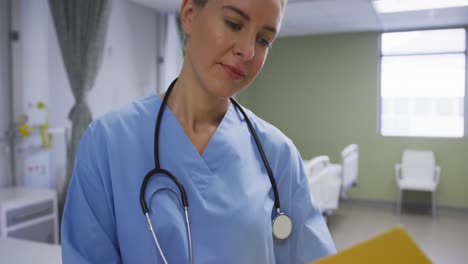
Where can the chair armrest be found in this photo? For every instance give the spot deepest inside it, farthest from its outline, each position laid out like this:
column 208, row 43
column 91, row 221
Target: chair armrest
column 397, row 172
column 437, row 174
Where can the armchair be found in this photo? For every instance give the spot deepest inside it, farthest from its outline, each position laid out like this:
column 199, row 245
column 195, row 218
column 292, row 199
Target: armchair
column 417, row 172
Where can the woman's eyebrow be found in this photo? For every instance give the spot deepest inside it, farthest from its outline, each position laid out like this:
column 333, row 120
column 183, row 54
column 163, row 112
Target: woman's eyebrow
column 246, row 17
column 238, row 11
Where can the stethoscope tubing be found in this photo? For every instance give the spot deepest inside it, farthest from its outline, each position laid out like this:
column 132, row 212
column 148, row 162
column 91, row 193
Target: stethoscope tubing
column 155, row 171
column 158, row 170
column 262, row 153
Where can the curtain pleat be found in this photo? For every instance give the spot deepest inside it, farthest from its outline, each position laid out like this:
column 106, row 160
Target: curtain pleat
column 81, row 27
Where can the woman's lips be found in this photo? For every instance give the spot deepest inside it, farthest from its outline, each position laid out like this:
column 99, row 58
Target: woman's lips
column 233, row 72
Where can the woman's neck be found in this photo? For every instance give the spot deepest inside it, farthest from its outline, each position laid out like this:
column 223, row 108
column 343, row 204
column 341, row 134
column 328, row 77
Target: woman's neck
column 193, row 106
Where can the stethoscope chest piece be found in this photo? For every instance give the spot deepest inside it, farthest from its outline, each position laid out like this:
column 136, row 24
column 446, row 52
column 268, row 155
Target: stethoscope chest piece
column 282, row 226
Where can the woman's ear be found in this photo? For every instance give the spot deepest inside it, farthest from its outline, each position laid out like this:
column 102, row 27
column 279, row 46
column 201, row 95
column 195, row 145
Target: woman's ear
column 187, row 13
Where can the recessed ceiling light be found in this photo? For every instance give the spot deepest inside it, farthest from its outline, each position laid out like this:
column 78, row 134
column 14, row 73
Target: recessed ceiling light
column 393, row 6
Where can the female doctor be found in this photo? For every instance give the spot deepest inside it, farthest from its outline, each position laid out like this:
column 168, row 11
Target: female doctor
column 190, row 176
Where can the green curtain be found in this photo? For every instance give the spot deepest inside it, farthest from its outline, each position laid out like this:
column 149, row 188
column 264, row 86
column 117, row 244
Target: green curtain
column 81, row 27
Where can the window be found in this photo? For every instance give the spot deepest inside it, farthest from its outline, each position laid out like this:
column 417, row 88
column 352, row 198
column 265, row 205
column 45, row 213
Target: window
column 423, row 83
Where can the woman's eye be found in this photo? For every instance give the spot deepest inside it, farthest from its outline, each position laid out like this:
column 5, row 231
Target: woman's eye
column 264, row 42
column 233, row 25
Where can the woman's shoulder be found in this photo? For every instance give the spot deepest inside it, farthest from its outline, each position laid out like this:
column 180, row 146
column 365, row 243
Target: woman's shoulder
column 130, row 116
column 280, row 150
column 131, row 111
column 110, row 131
column 122, row 124
column 270, row 136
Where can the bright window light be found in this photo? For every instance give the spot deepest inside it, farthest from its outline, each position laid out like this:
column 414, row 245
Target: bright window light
column 423, row 86
column 393, row 6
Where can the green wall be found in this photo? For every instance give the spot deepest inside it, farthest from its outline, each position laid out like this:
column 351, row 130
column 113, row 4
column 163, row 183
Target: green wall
column 322, row 92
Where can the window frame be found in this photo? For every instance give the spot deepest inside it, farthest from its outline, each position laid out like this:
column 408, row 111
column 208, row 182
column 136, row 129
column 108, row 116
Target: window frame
column 379, row 83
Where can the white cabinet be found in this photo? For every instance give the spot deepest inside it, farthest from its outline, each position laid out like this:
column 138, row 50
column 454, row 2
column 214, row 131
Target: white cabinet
column 29, row 214
column 26, row 252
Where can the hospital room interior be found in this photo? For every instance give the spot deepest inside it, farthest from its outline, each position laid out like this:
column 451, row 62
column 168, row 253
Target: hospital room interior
column 371, row 92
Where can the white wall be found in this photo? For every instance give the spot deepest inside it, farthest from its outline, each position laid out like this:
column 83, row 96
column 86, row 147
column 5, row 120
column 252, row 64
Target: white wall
column 5, row 170
column 34, row 52
column 127, row 73
column 173, row 52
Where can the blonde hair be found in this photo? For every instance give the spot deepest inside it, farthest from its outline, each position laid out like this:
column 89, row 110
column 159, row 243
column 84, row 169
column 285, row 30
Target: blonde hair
column 201, row 3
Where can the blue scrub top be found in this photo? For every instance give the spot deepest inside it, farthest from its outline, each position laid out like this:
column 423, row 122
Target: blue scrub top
column 229, row 194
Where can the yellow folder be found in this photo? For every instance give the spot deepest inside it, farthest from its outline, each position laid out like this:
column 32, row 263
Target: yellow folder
column 393, row 246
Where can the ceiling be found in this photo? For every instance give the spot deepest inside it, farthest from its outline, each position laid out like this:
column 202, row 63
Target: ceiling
column 312, row 17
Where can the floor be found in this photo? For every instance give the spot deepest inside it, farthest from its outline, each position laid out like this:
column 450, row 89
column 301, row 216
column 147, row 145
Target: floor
column 444, row 239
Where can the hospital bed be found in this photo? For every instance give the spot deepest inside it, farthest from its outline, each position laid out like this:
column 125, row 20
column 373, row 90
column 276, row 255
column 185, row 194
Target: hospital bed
column 348, row 169
column 324, row 183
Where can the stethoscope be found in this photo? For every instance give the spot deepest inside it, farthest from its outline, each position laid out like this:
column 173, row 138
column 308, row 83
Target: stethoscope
column 281, row 225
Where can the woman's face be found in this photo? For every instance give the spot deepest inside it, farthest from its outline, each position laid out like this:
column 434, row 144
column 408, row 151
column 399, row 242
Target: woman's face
column 228, row 41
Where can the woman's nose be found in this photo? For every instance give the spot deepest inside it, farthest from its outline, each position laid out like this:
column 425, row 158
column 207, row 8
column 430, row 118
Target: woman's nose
column 245, row 47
